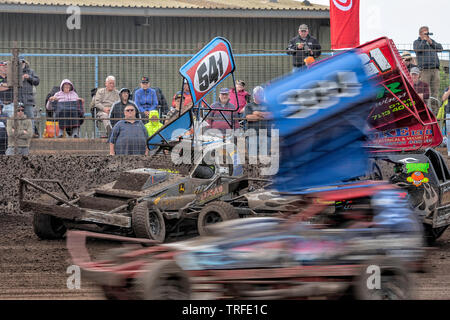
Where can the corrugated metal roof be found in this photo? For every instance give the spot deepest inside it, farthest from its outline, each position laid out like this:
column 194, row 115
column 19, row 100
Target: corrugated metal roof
column 180, row 4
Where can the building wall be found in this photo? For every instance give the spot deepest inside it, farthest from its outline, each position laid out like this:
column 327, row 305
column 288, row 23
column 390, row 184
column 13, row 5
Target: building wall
column 173, row 32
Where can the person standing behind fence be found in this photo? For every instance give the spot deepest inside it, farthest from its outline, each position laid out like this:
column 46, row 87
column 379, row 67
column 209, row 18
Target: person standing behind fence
column 215, row 118
column 422, row 88
column 258, row 118
column 104, row 99
column 118, row 107
column 145, row 98
column 6, row 94
column 26, row 93
column 408, row 60
column 187, row 98
column 129, row 136
column 428, row 61
column 301, row 46
column 243, row 96
column 22, row 134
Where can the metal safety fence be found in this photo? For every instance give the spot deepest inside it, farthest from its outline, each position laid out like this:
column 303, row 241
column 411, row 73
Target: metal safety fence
column 87, row 69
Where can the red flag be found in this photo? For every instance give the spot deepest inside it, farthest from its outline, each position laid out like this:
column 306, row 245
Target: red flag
column 344, row 23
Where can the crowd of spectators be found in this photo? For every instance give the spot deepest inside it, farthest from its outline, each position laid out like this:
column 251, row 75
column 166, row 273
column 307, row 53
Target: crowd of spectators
column 130, row 116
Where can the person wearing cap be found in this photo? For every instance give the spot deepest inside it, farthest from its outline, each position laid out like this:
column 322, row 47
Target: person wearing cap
column 26, row 93
column 302, row 46
column 174, row 110
column 428, row 61
column 118, row 107
column 21, row 135
column 145, row 98
column 216, row 120
column 258, row 118
column 187, row 98
column 408, row 60
column 243, row 97
column 103, row 101
column 421, row 87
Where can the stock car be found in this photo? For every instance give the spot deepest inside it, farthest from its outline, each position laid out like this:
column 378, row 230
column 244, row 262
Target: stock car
column 271, row 257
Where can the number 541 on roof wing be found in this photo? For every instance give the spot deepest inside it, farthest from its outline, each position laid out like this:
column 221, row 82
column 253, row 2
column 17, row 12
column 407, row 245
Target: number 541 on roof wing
column 209, row 67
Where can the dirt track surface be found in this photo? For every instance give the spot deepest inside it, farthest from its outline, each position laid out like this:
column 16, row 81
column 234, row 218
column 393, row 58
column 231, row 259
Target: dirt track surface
column 36, row 269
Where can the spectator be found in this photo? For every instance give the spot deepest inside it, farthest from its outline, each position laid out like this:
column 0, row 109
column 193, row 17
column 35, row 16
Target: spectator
column 187, row 98
column 428, row 61
column 408, row 60
column 153, row 124
column 174, row 110
column 162, row 102
column 215, row 118
column 67, row 93
column 421, row 87
column 145, row 98
column 6, row 94
column 128, row 136
column 26, row 93
column 3, row 133
column 302, row 46
column 22, row 134
column 243, row 96
column 258, row 118
column 104, row 99
column 446, row 95
column 163, row 107
column 49, row 112
column 119, row 106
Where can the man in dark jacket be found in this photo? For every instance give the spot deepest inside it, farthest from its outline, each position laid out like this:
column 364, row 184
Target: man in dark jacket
column 426, row 51
column 303, row 46
column 118, row 107
column 26, row 94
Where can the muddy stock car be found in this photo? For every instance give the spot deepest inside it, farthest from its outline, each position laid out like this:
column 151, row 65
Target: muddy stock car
column 291, row 257
column 404, row 133
column 150, row 203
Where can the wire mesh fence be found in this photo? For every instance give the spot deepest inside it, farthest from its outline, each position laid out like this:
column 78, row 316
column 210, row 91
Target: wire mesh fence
column 88, row 66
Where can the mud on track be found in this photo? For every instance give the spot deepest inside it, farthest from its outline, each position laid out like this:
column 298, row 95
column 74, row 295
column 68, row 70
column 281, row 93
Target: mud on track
column 36, row 269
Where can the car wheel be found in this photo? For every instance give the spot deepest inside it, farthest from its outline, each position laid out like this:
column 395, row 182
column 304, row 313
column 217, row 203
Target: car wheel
column 48, row 227
column 432, row 234
column 148, row 223
column 212, row 213
column 163, row 280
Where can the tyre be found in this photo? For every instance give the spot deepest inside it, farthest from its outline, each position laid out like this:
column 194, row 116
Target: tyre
column 394, row 281
column 212, row 213
column 432, row 234
column 147, row 223
column 47, row 227
column 163, row 280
